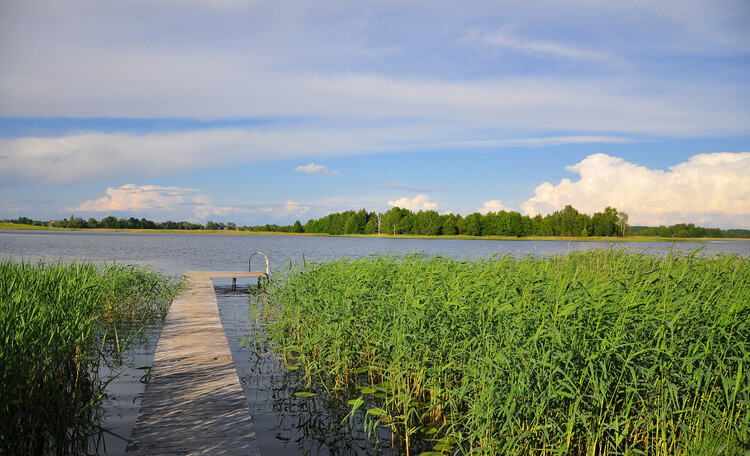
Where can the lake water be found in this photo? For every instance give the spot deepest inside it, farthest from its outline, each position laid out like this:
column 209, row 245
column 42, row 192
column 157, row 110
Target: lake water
column 174, row 254
column 177, row 253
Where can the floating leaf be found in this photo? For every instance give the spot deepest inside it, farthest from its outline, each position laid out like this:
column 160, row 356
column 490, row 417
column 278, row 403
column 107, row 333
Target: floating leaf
column 292, row 367
column 356, row 402
column 377, row 412
column 367, row 390
column 304, row 394
column 448, row 440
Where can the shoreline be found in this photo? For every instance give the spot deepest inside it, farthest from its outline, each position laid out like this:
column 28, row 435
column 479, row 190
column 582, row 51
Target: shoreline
column 19, row 227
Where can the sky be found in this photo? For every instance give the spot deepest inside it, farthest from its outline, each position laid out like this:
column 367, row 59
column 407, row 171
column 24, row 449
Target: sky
column 262, row 112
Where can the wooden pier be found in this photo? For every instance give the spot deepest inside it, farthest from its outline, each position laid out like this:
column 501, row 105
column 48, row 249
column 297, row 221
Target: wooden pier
column 193, row 402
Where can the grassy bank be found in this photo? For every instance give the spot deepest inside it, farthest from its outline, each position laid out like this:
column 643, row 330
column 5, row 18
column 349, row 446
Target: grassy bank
column 603, row 352
column 55, row 321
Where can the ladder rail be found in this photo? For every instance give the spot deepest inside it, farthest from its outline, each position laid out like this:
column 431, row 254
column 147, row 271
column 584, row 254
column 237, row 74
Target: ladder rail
column 268, row 264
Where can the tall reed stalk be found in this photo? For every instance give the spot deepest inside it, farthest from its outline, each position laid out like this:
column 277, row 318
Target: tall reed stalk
column 603, row 352
column 53, row 320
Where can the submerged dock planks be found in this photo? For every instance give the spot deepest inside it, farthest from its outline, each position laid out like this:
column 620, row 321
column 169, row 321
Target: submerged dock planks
column 193, row 402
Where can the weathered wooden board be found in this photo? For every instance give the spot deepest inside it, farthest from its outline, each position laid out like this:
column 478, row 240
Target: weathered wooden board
column 193, row 402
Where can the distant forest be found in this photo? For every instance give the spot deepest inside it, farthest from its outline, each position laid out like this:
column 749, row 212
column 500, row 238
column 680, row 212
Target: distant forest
column 566, row 222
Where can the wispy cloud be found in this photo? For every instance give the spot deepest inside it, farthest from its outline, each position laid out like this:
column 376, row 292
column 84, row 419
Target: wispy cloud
column 505, row 39
column 708, row 188
column 94, row 156
column 420, row 202
column 312, row 168
column 402, row 186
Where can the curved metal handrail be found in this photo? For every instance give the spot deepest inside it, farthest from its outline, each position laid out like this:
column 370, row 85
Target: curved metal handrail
column 250, row 261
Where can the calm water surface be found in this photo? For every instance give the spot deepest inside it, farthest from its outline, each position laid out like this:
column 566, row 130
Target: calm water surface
column 267, row 385
column 177, row 253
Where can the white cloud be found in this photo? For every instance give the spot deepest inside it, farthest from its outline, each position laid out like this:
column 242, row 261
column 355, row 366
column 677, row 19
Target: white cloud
column 205, row 211
column 180, row 201
column 709, row 189
column 419, row 203
column 312, row 168
column 89, row 156
column 291, row 208
column 504, row 39
column 131, row 197
column 492, row 206
column 93, row 156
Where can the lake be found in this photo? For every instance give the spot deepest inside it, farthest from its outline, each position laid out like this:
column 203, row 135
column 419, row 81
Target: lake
column 174, row 254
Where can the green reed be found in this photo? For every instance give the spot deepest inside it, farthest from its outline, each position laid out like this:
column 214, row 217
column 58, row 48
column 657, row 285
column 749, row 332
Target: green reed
column 604, row 352
column 55, row 321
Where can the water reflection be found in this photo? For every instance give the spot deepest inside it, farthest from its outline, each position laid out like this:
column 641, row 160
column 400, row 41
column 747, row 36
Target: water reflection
column 126, row 368
column 287, row 423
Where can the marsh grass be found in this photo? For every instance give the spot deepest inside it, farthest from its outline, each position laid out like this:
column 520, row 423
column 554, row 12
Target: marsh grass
column 56, row 322
column 603, row 352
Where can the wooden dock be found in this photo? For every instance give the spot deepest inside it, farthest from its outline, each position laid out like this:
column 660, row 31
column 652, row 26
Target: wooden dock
column 193, row 402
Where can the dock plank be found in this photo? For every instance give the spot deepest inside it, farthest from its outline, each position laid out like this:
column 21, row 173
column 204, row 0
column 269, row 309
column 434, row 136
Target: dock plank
column 193, row 402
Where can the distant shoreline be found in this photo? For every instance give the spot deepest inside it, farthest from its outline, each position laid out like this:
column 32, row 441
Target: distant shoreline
column 20, row 227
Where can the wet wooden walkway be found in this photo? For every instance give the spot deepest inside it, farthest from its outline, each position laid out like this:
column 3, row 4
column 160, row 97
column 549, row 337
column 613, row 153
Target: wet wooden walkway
column 193, row 402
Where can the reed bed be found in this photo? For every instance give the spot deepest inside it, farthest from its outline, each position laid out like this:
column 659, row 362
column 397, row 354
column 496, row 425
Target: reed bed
column 603, row 352
column 56, row 322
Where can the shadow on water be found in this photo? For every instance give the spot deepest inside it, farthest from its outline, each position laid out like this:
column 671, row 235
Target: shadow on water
column 94, row 409
column 287, row 418
column 125, row 366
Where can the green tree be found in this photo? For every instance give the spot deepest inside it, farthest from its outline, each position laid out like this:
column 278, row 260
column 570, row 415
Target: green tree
column 389, row 221
column 449, row 226
column 473, row 224
column 355, row 222
column 428, row 223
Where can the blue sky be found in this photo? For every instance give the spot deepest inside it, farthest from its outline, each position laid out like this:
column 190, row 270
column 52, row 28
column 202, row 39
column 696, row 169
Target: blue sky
column 267, row 112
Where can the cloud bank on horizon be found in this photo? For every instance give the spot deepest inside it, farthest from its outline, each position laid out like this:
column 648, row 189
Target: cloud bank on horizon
column 199, row 110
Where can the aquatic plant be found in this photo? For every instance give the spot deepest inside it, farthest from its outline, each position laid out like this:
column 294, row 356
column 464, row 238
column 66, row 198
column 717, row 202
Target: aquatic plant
column 55, row 321
column 603, row 352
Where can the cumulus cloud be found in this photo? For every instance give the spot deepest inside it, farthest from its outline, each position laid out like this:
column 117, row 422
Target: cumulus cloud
column 182, row 202
column 312, row 168
column 709, row 189
column 492, row 206
column 419, row 203
column 132, row 197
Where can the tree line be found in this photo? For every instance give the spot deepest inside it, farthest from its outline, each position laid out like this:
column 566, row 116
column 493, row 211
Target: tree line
column 567, row 222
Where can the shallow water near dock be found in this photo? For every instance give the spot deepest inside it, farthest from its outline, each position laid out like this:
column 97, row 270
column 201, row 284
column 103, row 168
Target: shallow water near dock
column 122, row 396
column 285, row 423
